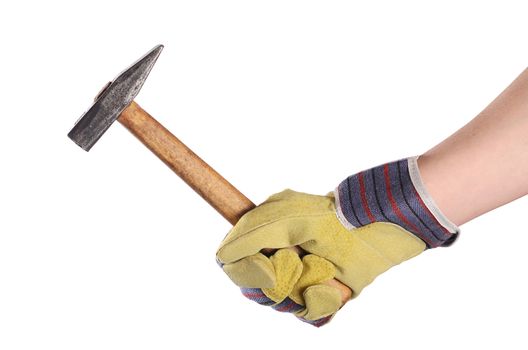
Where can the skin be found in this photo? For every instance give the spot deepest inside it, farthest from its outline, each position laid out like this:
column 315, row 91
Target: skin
column 484, row 165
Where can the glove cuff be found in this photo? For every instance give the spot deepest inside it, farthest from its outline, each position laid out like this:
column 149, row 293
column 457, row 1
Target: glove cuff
column 394, row 192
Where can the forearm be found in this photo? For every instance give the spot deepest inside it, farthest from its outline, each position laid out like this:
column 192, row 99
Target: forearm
column 484, row 165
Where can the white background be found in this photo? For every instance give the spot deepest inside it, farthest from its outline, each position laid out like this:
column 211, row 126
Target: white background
column 110, row 250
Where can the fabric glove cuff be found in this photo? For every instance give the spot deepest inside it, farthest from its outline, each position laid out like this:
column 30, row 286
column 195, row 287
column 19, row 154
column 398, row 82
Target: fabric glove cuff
column 394, row 192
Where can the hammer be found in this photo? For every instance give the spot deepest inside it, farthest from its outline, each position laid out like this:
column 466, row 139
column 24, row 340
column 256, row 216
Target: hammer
column 116, row 102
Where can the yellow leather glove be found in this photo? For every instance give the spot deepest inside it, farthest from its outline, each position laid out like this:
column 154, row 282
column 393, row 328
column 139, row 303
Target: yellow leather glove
column 355, row 256
column 290, row 219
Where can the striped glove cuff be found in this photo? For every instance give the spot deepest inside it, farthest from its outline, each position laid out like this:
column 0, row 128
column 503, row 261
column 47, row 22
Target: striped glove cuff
column 394, row 192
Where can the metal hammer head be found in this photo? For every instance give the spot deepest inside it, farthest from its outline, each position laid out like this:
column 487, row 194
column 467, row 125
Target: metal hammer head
column 110, row 102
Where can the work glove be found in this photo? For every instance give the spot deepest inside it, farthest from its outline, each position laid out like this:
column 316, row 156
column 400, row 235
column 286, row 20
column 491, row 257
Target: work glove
column 372, row 221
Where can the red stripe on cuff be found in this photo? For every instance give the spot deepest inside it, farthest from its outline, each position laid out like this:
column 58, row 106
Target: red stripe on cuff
column 364, row 197
column 395, row 207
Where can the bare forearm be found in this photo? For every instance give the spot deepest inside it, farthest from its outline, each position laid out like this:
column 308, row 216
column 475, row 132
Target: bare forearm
column 484, row 165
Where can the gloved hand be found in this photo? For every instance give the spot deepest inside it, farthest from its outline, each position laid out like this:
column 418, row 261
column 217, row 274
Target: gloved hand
column 373, row 221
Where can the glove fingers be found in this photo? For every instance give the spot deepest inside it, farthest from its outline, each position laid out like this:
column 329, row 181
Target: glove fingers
column 310, row 278
column 312, row 290
column 255, row 271
column 321, row 300
column 315, row 270
column 288, row 268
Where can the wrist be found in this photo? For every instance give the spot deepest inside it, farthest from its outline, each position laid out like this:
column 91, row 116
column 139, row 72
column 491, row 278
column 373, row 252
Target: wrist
column 440, row 183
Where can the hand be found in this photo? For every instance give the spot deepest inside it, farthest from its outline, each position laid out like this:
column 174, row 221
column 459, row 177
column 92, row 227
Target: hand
column 304, row 283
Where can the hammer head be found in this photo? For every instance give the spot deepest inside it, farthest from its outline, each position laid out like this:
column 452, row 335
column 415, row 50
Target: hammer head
column 109, row 104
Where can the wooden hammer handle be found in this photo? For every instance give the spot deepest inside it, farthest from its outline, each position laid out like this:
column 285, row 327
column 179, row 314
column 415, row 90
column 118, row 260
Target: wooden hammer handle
column 209, row 184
